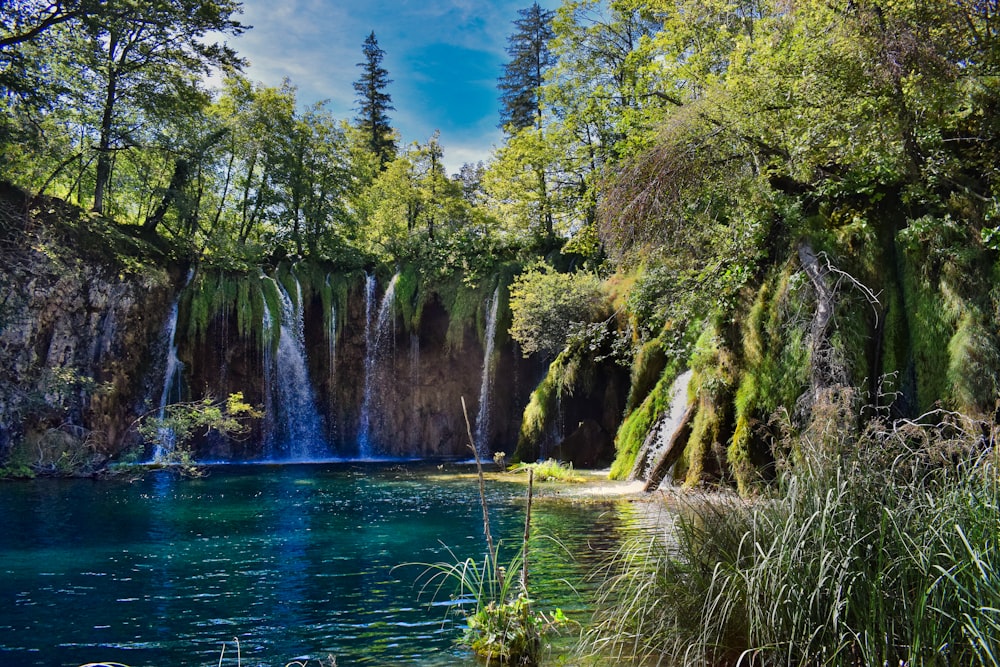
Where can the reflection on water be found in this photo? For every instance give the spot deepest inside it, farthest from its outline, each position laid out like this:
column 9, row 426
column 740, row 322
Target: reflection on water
column 294, row 561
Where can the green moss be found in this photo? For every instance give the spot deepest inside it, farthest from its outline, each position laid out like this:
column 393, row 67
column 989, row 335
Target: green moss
column 973, row 366
column 637, row 424
column 930, row 330
column 895, row 340
column 198, row 305
column 775, row 369
column 333, row 290
column 738, row 454
column 408, row 297
column 713, row 375
column 465, row 309
column 573, row 370
column 537, row 415
column 271, row 300
column 646, row 369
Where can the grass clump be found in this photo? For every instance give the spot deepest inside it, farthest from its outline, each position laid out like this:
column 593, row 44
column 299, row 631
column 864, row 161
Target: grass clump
column 549, row 470
column 881, row 550
column 502, row 627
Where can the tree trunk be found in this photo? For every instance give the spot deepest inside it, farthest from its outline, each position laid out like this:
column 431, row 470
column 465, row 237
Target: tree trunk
column 104, row 145
column 177, row 184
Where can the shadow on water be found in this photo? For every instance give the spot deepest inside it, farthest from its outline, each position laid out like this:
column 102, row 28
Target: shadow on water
column 296, row 561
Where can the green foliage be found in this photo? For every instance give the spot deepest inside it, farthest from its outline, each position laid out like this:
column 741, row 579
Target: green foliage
column 545, row 304
column 882, row 551
column 548, row 470
column 180, row 422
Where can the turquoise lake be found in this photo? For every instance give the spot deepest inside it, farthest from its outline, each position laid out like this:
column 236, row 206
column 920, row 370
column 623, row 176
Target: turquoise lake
column 296, row 562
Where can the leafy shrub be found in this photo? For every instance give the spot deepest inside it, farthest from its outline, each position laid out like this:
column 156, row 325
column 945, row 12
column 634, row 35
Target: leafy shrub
column 545, row 304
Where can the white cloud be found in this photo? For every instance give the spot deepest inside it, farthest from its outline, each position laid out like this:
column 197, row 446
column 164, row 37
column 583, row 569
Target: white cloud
column 440, row 55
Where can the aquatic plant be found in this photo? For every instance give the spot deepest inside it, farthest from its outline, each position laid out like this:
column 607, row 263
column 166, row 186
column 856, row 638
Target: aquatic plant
column 502, row 627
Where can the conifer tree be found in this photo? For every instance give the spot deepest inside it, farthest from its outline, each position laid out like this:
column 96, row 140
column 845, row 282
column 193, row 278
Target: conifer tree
column 374, row 103
column 530, row 58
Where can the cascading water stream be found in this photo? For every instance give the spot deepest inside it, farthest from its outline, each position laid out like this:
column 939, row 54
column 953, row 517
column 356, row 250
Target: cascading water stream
column 173, row 367
column 166, row 439
column 486, row 386
column 375, row 331
column 297, row 429
column 663, row 430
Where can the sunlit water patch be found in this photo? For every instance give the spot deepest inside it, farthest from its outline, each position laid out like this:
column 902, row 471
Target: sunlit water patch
column 295, row 562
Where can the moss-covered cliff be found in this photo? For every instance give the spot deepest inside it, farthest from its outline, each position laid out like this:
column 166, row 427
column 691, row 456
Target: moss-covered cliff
column 80, row 321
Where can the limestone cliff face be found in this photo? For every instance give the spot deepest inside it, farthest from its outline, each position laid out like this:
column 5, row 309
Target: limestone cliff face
column 76, row 341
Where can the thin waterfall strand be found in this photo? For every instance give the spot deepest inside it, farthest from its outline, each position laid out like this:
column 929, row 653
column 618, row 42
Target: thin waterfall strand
column 166, row 439
column 173, row 368
column 486, row 386
column 375, row 333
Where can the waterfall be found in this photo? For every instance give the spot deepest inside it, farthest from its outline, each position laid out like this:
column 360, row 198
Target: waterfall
column 483, row 416
column 267, row 363
column 375, row 332
column 172, row 369
column 660, row 434
column 171, row 380
column 297, row 429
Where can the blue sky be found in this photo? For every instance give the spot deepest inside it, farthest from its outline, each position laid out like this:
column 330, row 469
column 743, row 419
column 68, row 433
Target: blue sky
column 443, row 56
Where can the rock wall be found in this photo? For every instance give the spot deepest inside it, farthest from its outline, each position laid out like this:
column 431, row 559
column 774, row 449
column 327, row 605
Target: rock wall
column 77, row 336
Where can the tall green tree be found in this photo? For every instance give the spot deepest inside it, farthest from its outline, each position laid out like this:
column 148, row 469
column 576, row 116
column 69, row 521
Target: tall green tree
column 147, row 56
column 524, row 73
column 24, row 22
column 374, row 103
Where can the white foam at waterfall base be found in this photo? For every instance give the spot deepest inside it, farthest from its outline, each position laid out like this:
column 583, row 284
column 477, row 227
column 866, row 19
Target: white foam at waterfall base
column 376, row 330
column 296, row 430
column 485, row 387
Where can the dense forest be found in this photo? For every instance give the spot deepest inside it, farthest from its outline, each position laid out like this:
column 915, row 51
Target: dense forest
column 783, row 211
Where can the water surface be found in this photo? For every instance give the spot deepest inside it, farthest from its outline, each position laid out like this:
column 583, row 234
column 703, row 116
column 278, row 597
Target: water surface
column 297, row 562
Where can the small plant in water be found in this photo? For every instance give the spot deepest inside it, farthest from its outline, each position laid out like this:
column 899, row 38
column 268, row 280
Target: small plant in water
column 502, row 627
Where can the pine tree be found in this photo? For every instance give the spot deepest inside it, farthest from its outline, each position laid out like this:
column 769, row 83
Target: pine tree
column 374, row 103
column 530, row 58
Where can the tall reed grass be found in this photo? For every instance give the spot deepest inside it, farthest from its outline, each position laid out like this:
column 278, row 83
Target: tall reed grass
column 881, row 548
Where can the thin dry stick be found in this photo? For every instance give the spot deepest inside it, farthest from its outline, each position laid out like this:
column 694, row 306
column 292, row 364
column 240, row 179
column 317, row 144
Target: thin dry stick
column 482, row 492
column 527, row 530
